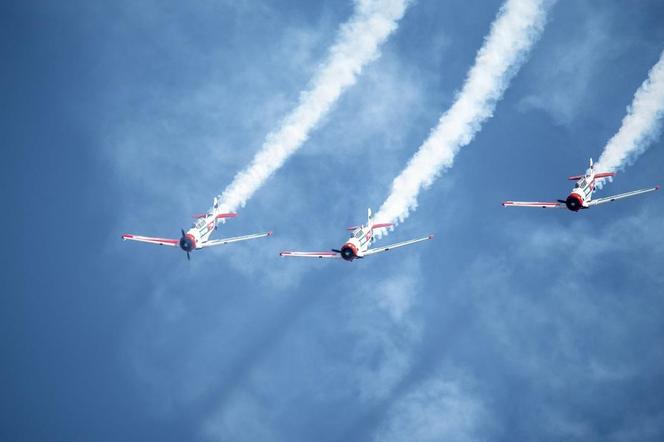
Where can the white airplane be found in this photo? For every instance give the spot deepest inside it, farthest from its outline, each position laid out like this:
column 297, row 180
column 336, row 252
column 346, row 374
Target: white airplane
column 581, row 195
column 357, row 246
column 198, row 236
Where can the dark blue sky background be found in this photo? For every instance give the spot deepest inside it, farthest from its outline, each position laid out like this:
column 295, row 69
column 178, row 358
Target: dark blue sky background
column 512, row 325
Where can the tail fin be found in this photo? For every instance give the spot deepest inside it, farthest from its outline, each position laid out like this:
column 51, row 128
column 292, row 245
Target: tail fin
column 215, row 203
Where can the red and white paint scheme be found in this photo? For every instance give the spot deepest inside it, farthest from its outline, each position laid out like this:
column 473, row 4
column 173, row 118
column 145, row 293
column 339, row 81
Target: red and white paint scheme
column 198, row 236
column 581, row 196
column 357, row 246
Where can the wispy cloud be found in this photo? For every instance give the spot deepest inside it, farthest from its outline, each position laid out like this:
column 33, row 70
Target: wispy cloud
column 584, row 319
column 358, row 43
column 561, row 83
column 640, row 126
column 435, row 410
column 377, row 327
column 513, row 33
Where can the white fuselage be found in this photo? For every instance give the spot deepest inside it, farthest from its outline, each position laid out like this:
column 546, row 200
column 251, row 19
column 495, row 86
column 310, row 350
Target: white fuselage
column 202, row 229
column 359, row 241
column 582, row 193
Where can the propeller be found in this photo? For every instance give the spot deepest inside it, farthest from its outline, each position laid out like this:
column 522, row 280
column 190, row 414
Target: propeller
column 346, row 253
column 182, row 241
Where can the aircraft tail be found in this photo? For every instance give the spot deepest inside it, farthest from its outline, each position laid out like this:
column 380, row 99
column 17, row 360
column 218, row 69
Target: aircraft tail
column 369, row 217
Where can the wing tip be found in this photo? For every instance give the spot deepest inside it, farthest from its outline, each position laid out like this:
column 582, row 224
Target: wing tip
column 126, row 236
column 269, row 233
column 506, row 203
column 657, row 187
column 430, row 236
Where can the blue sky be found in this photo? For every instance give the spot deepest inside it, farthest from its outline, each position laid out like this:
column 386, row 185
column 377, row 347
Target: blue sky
column 511, row 325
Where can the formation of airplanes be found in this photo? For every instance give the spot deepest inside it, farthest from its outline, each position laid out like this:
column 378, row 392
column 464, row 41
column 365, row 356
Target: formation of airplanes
column 359, row 244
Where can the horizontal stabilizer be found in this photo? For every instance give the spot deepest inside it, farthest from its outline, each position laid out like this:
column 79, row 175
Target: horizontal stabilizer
column 605, row 174
column 381, row 225
column 575, row 177
column 221, row 215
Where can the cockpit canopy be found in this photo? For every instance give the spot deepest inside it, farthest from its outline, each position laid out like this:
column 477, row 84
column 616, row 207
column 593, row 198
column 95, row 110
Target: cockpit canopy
column 582, row 183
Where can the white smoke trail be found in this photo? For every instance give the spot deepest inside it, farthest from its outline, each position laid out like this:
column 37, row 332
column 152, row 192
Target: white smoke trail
column 358, row 43
column 640, row 126
column 518, row 25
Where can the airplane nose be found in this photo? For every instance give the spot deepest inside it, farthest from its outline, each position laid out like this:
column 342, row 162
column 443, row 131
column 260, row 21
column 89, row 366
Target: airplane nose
column 573, row 203
column 347, row 253
column 186, row 244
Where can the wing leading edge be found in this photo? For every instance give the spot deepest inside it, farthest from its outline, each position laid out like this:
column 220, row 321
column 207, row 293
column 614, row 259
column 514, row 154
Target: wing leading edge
column 310, row 254
column 609, row 199
column 151, row 240
column 396, row 245
column 536, row 204
column 224, row 241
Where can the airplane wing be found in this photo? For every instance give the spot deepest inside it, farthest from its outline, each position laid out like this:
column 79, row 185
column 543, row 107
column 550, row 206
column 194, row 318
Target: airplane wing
column 311, row 254
column 620, row 196
column 541, row 205
column 395, row 245
column 151, row 240
column 223, row 241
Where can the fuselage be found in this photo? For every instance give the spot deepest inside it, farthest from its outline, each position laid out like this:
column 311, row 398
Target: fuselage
column 198, row 233
column 581, row 194
column 358, row 243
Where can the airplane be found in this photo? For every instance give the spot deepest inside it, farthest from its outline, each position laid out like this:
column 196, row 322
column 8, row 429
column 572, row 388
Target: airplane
column 357, row 246
column 198, row 236
column 581, row 195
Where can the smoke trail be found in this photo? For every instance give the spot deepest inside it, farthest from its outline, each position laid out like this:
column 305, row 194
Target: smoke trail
column 518, row 25
column 357, row 44
column 640, row 126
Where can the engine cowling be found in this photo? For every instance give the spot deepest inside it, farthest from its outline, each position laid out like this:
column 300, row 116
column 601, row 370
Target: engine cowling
column 574, row 202
column 187, row 243
column 348, row 252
